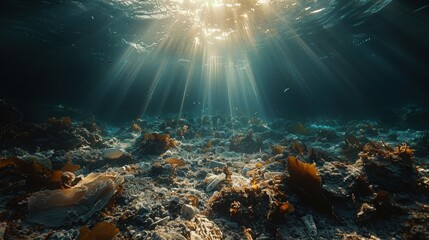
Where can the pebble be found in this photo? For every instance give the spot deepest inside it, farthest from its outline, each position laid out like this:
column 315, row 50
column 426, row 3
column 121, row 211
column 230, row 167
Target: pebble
column 113, row 153
column 128, row 177
column 188, row 211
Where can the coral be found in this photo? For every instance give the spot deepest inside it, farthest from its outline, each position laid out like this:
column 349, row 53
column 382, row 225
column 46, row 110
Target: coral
column 64, row 206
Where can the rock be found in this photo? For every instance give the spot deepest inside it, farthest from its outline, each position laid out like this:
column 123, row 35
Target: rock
column 113, row 153
column 339, row 179
column 128, row 177
column 249, row 143
column 188, row 211
column 386, row 167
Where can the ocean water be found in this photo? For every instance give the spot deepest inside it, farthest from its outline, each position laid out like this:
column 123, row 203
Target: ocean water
column 268, row 58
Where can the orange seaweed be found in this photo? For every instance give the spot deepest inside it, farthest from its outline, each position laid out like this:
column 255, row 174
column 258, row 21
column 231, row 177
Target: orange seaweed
column 101, row 230
column 135, row 127
column 299, row 147
column 277, row 149
column 176, row 161
column 69, row 167
column 305, row 178
column 66, row 121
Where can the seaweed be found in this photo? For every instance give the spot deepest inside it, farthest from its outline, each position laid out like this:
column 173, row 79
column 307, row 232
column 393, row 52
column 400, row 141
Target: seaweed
column 101, row 230
column 299, row 147
column 156, row 143
column 37, row 175
column 277, row 149
column 64, row 122
column 135, row 127
column 304, row 177
column 69, row 167
column 175, row 162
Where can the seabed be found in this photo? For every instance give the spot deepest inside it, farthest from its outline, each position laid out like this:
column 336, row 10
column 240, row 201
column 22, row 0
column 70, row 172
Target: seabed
column 213, row 177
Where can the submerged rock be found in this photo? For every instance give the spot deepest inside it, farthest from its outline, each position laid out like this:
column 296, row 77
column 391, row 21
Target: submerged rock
column 249, row 143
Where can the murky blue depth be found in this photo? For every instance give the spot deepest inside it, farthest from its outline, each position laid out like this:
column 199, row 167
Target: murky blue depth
column 267, row 58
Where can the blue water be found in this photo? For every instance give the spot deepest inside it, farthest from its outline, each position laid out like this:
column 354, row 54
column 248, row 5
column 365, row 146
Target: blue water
column 124, row 59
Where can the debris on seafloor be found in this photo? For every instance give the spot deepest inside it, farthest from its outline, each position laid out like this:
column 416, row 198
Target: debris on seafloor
column 214, row 181
column 310, row 225
column 62, row 207
column 304, row 177
column 101, row 230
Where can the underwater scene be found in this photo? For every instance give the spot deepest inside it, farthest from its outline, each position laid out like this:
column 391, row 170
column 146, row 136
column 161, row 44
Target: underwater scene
column 214, row 119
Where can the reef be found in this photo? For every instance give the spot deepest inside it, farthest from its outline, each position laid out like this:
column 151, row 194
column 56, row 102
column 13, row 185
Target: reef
column 213, row 177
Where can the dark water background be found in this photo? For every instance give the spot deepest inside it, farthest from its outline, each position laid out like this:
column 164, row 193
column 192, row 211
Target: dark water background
column 362, row 65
